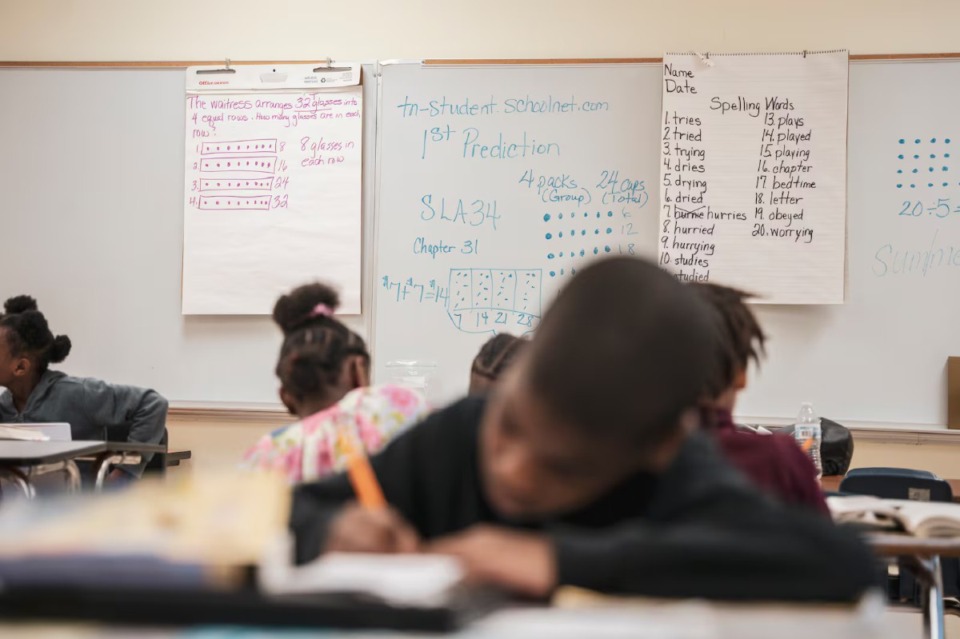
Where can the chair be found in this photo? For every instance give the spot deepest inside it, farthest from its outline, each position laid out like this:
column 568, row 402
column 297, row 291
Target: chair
column 914, row 485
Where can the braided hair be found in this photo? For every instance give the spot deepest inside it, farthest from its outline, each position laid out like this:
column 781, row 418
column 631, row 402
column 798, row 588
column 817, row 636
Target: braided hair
column 497, row 354
column 316, row 344
column 28, row 334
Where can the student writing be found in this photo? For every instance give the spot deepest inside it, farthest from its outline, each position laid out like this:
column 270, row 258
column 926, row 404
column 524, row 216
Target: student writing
column 774, row 462
column 93, row 408
column 324, row 372
column 586, row 467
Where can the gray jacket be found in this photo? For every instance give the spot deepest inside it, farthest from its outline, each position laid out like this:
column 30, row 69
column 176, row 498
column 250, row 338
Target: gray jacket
column 94, row 410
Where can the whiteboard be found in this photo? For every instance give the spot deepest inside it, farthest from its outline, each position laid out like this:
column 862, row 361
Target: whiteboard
column 495, row 185
column 92, row 222
column 92, row 217
column 877, row 359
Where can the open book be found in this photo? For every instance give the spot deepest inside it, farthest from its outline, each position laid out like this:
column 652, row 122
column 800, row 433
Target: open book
column 21, row 434
column 919, row 518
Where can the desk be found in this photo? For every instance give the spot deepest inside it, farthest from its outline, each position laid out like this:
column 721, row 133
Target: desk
column 15, row 455
column 923, row 556
column 831, row 483
column 117, row 453
column 174, row 457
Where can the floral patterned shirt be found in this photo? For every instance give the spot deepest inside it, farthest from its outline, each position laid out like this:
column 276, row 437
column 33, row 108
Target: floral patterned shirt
column 311, row 448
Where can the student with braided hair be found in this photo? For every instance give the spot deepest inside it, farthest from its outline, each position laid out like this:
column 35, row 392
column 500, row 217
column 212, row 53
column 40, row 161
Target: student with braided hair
column 494, row 358
column 94, row 409
column 773, row 462
column 324, row 373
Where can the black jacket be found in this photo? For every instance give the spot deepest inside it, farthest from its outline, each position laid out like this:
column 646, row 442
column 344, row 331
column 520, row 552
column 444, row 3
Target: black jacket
column 697, row 530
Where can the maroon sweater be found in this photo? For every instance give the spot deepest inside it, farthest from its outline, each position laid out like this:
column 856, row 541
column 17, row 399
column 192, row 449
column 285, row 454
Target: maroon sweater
column 773, row 462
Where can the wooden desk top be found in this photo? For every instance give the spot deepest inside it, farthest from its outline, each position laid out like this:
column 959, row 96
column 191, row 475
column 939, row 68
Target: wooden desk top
column 831, row 483
column 134, row 447
column 20, row 453
column 894, row 545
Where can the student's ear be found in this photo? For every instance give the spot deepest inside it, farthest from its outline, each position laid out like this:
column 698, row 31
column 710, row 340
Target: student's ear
column 740, row 381
column 359, row 372
column 22, row 367
column 288, row 401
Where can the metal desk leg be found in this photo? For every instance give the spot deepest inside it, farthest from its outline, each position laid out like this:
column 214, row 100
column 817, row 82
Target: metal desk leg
column 931, row 596
column 16, row 476
column 73, row 475
column 105, row 462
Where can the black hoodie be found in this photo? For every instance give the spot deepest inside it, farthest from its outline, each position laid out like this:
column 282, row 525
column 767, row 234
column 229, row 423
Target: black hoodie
column 697, row 530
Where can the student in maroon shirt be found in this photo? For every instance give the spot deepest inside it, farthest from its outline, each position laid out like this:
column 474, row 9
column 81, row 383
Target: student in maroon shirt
column 773, row 462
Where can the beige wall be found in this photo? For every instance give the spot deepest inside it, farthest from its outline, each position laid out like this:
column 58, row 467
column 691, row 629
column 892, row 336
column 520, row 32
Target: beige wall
column 370, row 29
column 222, row 441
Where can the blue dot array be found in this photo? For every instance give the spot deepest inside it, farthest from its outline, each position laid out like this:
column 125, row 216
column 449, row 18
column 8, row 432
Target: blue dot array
column 547, row 217
column 930, row 169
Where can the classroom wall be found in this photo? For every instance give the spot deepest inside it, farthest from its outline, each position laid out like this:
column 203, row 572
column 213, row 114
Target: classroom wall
column 111, row 30
column 370, row 29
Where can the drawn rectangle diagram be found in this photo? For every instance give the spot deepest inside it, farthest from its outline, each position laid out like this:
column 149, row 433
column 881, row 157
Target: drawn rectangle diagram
column 495, row 290
column 504, row 290
column 239, row 146
column 236, row 184
column 528, row 299
column 481, row 285
column 460, row 296
column 255, row 164
column 234, row 203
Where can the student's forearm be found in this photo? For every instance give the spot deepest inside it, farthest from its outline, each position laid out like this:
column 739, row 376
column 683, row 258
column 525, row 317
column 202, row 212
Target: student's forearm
column 148, row 426
column 711, row 561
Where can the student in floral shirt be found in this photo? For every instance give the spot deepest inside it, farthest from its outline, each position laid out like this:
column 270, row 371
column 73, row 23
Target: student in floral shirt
column 324, row 372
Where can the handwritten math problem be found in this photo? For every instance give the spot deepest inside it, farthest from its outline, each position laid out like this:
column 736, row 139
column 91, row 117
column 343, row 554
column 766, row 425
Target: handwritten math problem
column 751, row 176
column 497, row 186
column 272, row 184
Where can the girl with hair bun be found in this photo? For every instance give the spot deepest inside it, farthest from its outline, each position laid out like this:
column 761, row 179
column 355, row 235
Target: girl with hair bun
column 324, row 373
column 94, row 409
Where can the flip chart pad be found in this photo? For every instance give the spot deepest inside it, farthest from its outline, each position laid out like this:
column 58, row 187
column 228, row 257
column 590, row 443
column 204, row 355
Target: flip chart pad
column 272, row 186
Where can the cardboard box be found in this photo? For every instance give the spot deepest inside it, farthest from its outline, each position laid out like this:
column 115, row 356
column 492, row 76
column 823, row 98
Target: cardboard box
column 953, row 393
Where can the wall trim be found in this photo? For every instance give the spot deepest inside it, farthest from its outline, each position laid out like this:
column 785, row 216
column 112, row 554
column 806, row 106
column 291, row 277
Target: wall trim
column 227, row 415
column 906, row 434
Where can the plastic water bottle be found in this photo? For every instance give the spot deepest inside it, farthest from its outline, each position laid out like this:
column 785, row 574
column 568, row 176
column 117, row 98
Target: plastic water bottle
column 807, row 430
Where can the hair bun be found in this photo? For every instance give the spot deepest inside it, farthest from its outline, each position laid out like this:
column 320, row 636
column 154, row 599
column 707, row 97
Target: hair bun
column 20, row 304
column 296, row 309
column 60, row 348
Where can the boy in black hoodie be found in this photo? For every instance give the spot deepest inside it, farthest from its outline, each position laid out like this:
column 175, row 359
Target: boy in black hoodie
column 585, row 468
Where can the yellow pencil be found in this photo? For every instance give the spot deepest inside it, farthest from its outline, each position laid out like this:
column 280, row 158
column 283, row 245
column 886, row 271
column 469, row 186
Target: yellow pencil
column 362, row 477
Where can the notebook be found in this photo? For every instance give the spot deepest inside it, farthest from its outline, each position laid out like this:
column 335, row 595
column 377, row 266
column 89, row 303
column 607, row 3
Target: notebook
column 56, row 431
column 919, row 518
column 18, row 433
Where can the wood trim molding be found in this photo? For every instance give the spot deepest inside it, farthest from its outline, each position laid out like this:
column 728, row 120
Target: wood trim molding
column 142, row 64
column 160, row 64
column 901, row 436
column 276, row 414
column 226, row 415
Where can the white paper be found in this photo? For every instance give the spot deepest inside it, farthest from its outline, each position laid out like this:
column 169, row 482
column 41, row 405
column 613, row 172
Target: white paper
column 753, row 173
column 412, row 580
column 272, row 187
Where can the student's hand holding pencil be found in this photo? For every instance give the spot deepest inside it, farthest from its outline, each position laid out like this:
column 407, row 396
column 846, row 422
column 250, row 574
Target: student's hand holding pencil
column 377, row 530
column 370, row 524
